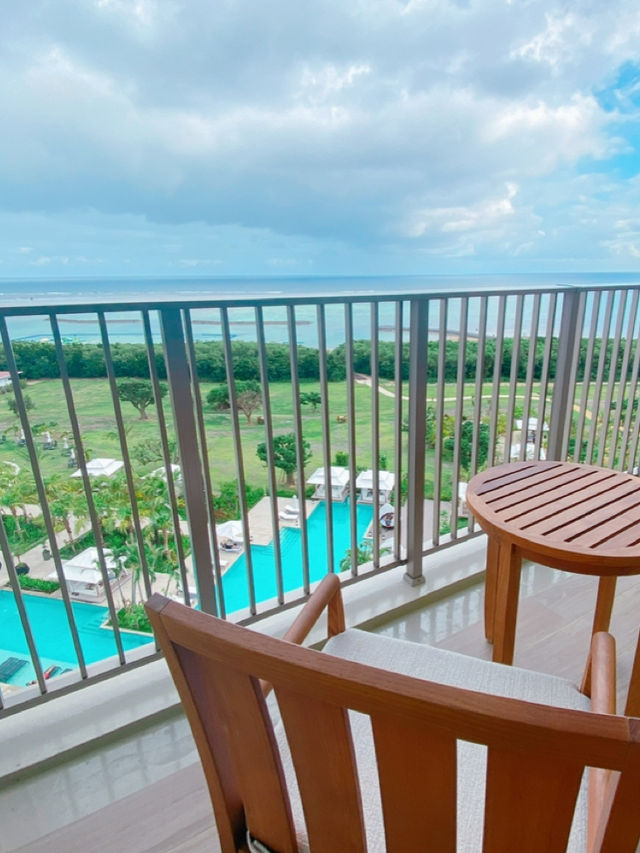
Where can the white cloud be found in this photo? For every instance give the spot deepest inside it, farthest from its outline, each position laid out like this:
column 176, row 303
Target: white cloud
column 444, row 128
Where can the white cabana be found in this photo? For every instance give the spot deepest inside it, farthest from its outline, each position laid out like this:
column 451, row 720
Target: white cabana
column 532, row 428
column 101, row 468
column 386, row 482
column 230, row 530
column 83, row 575
column 339, row 483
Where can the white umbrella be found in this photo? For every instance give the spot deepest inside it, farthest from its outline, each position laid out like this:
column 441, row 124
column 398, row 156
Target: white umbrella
column 230, row 530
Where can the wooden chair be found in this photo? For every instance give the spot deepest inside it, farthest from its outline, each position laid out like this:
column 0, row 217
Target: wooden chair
column 379, row 744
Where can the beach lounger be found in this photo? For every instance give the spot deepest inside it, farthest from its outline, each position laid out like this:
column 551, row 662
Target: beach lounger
column 288, row 516
column 9, row 667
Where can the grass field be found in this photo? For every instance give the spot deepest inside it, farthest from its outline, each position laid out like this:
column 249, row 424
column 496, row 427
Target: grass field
column 95, row 411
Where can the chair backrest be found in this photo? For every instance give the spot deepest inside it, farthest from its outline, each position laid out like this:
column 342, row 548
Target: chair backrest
column 535, row 760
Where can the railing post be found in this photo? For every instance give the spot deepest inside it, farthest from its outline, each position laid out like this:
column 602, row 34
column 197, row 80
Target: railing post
column 418, row 325
column 179, row 377
column 560, row 415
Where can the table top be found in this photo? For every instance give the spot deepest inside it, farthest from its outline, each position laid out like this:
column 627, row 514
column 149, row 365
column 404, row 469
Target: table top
column 579, row 517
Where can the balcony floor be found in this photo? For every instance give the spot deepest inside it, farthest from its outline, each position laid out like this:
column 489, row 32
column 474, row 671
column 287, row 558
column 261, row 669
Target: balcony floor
column 145, row 791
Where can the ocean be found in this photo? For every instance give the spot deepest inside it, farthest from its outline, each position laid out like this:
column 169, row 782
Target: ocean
column 126, row 326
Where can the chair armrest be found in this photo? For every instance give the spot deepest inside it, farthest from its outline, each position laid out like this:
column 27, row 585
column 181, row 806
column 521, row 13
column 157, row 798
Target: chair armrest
column 603, row 701
column 326, row 595
column 603, row 673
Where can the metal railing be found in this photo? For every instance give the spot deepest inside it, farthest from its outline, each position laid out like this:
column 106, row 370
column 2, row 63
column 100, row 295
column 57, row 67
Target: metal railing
column 432, row 387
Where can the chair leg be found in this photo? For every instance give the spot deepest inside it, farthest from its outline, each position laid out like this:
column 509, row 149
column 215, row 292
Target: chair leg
column 601, row 622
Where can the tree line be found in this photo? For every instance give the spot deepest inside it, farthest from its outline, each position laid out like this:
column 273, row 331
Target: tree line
column 37, row 360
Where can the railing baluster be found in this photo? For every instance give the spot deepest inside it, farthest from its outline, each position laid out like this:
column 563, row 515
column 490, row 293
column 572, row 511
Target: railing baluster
column 325, row 416
column 478, row 392
column 633, row 335
column 185, row 426
column 459, row 410
column 597, row 390
column 166, row 457
column 398, row 386
column 419, row 323
column 351, row 426
column 497, row 378
column 586, row 379
column 513, row 380
column 297, row 428
column 271, row 468
column 375, row 434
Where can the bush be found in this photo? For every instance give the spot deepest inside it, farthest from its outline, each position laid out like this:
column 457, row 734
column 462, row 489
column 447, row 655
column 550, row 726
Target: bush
column 38, row 584
column 134, row 618
column 32, row 532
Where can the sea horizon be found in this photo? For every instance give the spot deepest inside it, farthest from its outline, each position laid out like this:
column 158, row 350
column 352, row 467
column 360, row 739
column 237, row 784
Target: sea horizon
column 29, row 293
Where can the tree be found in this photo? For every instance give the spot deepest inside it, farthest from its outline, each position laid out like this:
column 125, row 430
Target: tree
column 364, row 554
column 218, row 398
column 248, row 402
column 284, row 454
column 151, row 450
column 310, row 398
column 26, row 399
column 139, row 392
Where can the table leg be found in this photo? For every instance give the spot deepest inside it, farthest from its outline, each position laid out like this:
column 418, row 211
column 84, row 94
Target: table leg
column 491, row 585
column 601, row 621
column 506, row 612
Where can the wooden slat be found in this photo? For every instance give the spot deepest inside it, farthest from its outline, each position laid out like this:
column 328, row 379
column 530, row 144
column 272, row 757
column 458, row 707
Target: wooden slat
column 595, row 509
column 550, row 484
column 319, row 737
column 497, row 478
column 563, row 493
column 523, row 791
column 423, row 807
column 232, row 707
column 619, row 830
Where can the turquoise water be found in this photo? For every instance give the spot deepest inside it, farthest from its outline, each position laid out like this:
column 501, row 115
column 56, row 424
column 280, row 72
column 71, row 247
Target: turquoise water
column 52, row 636
column 235, row 582
column 48, row 620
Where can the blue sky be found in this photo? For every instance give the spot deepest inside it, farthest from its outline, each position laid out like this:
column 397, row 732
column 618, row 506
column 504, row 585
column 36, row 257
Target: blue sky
column 306, row 137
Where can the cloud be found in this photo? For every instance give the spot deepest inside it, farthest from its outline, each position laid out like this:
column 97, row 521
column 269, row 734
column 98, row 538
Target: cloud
column 378, row 127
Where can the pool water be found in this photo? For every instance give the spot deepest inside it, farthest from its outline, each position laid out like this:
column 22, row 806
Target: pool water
column 235, row 581
column 48, row 620
column 52, row 636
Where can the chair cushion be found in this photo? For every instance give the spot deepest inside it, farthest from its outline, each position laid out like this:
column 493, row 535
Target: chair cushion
column 455, row 670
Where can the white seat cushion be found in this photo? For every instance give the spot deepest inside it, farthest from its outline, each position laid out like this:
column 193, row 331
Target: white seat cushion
column 456, row 670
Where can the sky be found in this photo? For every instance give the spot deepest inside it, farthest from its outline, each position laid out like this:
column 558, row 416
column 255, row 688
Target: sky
column 313, row 137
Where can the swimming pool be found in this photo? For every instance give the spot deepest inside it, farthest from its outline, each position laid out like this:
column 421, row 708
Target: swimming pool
column 235, row 582
column 52, row 636
column 48, row 620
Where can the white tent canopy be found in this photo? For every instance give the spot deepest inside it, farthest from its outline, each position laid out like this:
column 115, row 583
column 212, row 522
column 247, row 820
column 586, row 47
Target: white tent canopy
column 339, row 476
column 230, row 530
column 101, row 468
column 386, row 480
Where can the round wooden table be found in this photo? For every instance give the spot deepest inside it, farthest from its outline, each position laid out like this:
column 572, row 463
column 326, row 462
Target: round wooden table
column 569, row 516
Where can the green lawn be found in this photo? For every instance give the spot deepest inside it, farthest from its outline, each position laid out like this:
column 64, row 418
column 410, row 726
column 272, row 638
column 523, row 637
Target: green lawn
column 95, row 413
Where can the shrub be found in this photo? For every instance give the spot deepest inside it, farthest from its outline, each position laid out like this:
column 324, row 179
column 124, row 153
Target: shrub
column 134, row 618
column 38, row 584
